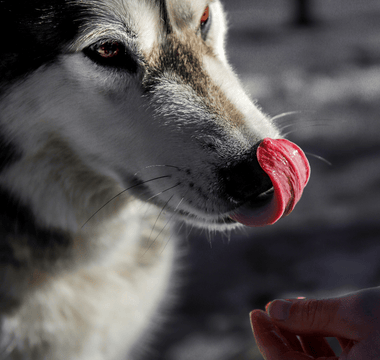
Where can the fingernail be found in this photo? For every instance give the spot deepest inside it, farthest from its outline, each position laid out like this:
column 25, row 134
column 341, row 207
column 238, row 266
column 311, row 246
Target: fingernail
column 279, row 309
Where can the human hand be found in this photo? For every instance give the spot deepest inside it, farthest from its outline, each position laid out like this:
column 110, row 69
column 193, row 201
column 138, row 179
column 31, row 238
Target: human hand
column 354, row 319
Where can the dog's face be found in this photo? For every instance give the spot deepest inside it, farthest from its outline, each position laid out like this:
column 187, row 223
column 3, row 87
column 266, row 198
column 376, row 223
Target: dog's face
column 142, row 91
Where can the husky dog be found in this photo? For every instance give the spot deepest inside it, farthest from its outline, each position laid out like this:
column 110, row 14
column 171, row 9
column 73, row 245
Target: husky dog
column 117, row 117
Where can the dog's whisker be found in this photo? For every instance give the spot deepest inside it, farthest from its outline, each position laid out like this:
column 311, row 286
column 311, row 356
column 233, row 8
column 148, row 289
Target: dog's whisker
column 291, row 113
column 228, row 235
column 208, row 236
column 166, row 243
column 319, row 158
column 158, row 216
column 174, row 213
column 154, row 196
column 282, row 128
column 188, row 232
column 285, row 114
column 163, row 208
column 302, row 127
column 167, row 223
column 180, row 227
column 176, row 208
column 152, row 166
column 122, row 192
column 154, row 225
column 163, row 191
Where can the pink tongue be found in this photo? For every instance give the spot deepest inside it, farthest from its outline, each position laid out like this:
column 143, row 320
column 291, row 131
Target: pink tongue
column 287, row 167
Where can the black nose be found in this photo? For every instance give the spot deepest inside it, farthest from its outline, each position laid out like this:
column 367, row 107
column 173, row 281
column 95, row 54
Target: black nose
column 244, row 178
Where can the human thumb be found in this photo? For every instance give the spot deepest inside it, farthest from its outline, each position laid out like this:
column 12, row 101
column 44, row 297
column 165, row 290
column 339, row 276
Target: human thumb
column 310, row 317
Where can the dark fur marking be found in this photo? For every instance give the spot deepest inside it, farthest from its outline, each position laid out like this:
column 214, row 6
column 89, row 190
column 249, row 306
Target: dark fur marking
column 18, row 227
column 36, row 27
column 9, row 153
column 164, row 16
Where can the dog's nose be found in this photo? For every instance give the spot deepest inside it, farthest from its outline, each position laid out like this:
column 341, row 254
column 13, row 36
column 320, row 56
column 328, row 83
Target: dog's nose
column 244, row 178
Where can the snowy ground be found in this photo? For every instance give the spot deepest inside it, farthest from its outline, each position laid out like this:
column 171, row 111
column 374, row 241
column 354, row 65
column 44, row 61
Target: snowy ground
column 330, row 244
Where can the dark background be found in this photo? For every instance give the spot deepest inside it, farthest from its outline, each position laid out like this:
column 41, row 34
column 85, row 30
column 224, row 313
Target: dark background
column 329, row 74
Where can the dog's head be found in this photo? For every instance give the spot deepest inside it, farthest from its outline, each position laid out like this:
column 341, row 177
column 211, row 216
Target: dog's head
column 141, row 91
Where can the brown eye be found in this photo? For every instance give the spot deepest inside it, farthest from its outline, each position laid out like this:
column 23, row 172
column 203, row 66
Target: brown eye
column 112, row 54
column 108, row 49
column 205, row 16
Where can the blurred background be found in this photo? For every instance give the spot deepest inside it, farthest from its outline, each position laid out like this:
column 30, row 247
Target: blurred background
column 315, row 65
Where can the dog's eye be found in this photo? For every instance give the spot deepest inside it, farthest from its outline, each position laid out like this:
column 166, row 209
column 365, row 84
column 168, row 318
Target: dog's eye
column 205, row 16
column 205, row 22
column 111, row 54
column 108, row 49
